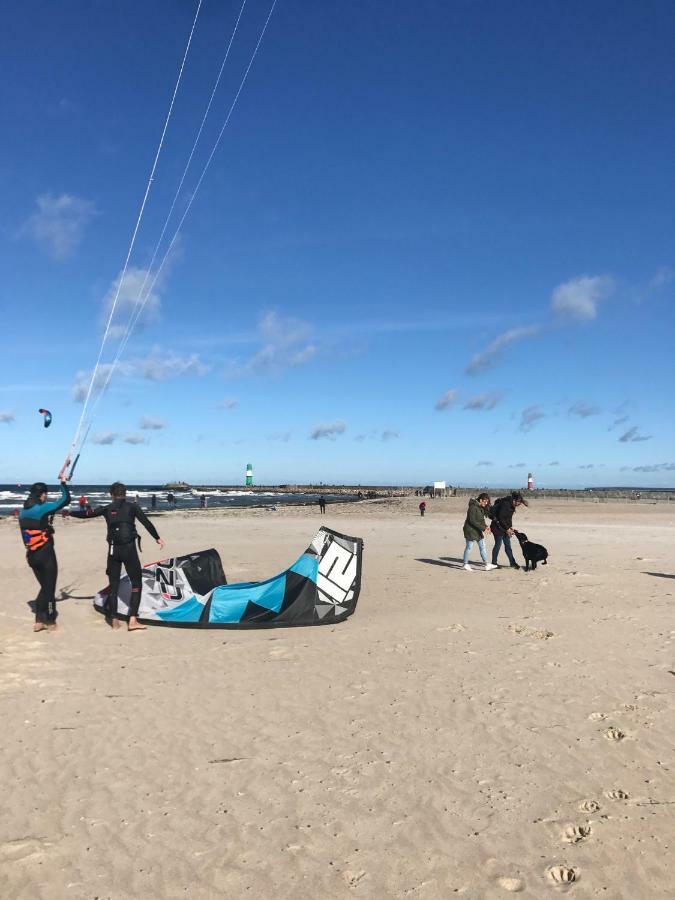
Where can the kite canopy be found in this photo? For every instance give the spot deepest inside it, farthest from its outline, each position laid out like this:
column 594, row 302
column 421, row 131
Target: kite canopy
column 47, row 417
column 322, row 586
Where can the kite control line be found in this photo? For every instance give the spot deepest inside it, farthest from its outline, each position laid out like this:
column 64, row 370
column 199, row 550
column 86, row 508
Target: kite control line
column 72, row 468
column 120, row 282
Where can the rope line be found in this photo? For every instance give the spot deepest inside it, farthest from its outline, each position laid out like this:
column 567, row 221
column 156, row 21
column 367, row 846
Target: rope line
column 131, row 322
column 138, row 309
column 132, row 242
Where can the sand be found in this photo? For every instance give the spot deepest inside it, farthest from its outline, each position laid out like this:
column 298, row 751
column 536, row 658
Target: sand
column 463, row 734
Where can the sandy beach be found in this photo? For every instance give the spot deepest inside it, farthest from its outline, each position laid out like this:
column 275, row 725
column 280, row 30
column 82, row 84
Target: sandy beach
column 463, row 734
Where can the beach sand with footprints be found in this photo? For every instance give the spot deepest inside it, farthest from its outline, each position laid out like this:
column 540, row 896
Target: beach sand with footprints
column 464, row 734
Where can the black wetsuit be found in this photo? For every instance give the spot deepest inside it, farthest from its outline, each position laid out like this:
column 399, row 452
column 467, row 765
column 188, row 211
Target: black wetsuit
column 120, row 516
column 38, row 538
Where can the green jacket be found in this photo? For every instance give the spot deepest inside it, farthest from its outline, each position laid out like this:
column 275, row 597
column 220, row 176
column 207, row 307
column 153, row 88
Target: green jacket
column 475, row 523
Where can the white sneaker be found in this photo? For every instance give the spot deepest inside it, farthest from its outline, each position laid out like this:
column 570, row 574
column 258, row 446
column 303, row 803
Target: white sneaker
column 467, row 567
column 489, row 566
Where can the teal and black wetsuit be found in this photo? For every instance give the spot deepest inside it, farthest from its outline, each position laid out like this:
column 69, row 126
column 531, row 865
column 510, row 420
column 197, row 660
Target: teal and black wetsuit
column 38, row 538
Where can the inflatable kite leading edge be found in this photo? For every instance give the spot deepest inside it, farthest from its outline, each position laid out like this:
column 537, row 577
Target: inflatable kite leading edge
column 321, row 587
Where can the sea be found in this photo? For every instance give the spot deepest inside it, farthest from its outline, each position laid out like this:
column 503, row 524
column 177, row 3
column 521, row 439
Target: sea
column 12, row 497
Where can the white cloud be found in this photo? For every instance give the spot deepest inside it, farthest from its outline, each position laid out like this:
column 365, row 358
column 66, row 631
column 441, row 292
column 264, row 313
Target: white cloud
column 487, row 358
column 520, row 465
column 136, row 283
column 633, row 436
column 158, row 366
column 483, row 401
column 530, row 416
column 285, row 344
column 149, row 424
column 620, row 421
column 584, row 410
column 330, row 431
column 135, row 439
column 554, row 463
column 664, row 275
column 484, row 462
column 229, row 403
column 59, row 223
column 6, row 417
column 579, row 298
column 108, row 437
column 447, row 400
column 389, row 435
column 82, row 379
column 656, row 467
column 163, row 366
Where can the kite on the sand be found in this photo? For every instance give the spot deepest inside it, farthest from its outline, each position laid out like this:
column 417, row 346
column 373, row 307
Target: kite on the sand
column 321, row 587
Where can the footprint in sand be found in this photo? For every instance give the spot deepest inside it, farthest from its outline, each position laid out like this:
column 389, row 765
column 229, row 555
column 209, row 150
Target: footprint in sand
column 22, row 848
column 542, row 634
column 514, row 885
column 575, row 833
column 617, row 794
column 589, row 806
column 597, row 715
column 454, row 627
column 614, row 734
column 562, row 876
column 353, row 878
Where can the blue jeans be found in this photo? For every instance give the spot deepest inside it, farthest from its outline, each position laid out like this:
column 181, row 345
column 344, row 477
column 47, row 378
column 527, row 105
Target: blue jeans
column 481, row 547
column 506, row 540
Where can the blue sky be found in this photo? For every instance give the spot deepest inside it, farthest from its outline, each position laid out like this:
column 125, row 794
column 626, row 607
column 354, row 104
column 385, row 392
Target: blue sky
column 436, row 241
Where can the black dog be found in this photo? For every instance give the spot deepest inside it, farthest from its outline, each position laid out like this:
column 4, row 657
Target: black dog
column 533, row 553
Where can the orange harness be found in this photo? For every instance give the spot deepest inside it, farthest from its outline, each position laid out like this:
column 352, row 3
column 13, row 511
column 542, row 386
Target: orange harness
column 34, row 538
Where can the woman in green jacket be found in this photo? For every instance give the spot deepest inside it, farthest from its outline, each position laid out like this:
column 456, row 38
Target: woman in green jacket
column 474, row 530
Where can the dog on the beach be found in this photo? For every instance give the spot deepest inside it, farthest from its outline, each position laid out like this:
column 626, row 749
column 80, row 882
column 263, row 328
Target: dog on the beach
column 533, row 553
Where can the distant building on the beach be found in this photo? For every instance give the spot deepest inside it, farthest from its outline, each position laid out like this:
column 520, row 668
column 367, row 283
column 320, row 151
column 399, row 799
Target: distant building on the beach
column 249, row 475
column 530, row 481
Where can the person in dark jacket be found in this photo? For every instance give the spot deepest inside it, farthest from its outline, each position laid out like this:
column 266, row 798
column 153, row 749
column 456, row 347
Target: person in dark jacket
column 121, row 516
column 37, row 534
column 475, row 527
column 423, row 508
column 502, row 525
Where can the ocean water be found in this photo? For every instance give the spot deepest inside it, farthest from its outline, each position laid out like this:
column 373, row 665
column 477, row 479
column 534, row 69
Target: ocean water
column 12, row 497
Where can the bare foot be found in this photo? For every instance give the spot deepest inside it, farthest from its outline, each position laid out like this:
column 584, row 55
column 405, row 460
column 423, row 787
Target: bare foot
column 39, row 626
column 52, row 626
column 115, row 624
column 135, row 625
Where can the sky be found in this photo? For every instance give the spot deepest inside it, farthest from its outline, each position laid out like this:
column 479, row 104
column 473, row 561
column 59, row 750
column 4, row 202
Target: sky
column 436, row 241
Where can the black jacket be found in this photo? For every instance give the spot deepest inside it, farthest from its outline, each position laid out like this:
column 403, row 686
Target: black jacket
column 120, row 516
column 502, row 515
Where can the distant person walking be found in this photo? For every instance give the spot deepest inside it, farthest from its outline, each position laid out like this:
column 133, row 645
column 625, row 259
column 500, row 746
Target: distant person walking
column 502, row 525
column 322, row 504
column 82, row 503
column 153, row 501
column 475, row 527
column 423, row 508
column 38, row 538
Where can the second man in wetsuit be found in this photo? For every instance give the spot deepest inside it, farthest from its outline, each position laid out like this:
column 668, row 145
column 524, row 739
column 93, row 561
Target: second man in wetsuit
column 121, row 516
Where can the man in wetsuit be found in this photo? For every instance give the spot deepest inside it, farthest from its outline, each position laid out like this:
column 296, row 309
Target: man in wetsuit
column 121, row 516
column 38, row 538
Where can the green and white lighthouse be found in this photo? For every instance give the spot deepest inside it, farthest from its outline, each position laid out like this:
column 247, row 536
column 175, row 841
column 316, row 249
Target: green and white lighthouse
column 249, row 475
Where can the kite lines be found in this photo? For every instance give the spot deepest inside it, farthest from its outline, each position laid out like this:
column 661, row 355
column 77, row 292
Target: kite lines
column 104, row 374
